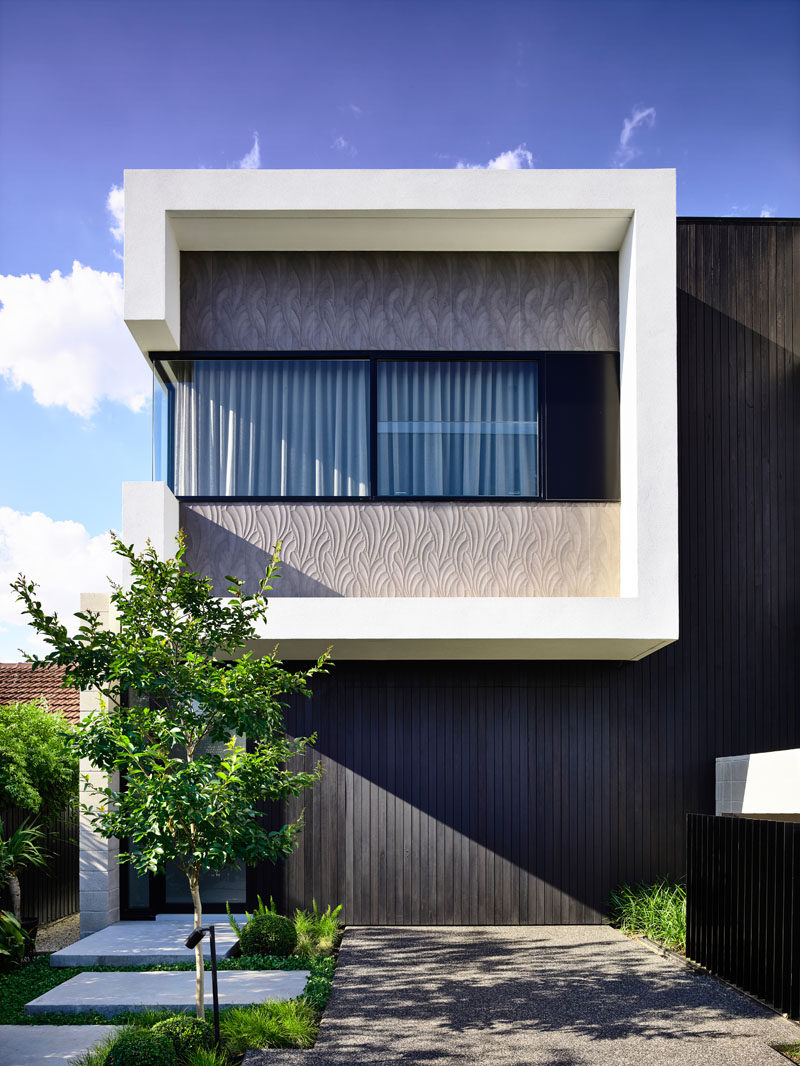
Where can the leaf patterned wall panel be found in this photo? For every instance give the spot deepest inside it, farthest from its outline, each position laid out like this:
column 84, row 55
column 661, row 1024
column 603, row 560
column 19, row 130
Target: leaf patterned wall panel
column 410, row 549
column 399, row 301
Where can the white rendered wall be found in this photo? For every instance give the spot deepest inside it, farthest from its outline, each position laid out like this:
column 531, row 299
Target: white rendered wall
column 149, row 514
column 763, row 784
column 631, row 212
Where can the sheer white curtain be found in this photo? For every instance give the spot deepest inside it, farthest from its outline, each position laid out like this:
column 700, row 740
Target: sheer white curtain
column 273, row 427
column 458, row 428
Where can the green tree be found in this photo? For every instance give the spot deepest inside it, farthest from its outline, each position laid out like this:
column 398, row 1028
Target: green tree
column 174, row 678
column 38, row 768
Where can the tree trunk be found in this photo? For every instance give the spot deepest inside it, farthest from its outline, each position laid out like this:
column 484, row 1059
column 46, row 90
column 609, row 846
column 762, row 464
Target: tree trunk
column 14, row 893
column 199, row 987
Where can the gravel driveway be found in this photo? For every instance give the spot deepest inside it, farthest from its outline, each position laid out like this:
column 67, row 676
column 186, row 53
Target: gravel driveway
column 560, row 995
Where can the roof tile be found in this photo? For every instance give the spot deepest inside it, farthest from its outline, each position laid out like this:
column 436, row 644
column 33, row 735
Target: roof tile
column 19, row 682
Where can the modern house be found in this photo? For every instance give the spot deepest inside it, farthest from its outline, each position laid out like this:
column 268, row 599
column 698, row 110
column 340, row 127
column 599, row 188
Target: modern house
column 540, row 499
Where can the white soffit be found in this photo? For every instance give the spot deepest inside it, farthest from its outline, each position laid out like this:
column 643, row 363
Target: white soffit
column 399, row 232
column 167, row 211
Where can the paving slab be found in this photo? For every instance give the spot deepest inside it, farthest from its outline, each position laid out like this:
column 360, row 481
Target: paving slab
column 143, row 944
column 529, row 996
column 111, row 993
column 209, row 918
column 33, row 1045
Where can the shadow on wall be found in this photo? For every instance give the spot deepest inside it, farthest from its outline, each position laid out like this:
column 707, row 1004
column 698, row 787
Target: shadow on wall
column 469, row 794
column 235, row 554
column 524, row 792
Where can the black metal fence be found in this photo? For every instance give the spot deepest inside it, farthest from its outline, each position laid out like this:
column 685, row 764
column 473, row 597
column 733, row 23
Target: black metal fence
column 742, row 907
column 49, row 893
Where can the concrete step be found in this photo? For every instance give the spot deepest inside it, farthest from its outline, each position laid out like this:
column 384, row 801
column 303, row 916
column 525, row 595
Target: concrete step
column 111, row 993
column 33, row 1045
column 209, row 918
column 143, row 944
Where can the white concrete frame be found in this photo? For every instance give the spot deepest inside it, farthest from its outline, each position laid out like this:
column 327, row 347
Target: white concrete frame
column 765, row 784
column 628, row 211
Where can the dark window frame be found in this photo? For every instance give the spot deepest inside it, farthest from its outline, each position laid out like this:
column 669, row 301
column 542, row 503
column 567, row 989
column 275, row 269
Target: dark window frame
column 541, row 358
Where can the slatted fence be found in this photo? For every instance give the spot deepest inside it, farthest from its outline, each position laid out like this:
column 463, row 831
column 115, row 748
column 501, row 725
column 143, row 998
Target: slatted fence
column 743, row 910
column 49, row 893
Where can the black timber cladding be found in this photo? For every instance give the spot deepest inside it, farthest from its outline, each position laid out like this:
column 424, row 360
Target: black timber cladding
column 524, row 792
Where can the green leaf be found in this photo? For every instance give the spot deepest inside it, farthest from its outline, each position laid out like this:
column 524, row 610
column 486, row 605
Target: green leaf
column 175, row 678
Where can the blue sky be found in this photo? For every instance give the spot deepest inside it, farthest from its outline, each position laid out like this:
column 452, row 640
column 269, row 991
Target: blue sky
column 90, row 88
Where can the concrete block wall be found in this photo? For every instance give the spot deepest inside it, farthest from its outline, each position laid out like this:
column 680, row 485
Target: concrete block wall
column 99, row 867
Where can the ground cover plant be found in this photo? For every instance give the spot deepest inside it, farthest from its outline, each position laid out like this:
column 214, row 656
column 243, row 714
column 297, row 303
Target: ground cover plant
column 654, row 910
column 790, row 1051
column 176, row 688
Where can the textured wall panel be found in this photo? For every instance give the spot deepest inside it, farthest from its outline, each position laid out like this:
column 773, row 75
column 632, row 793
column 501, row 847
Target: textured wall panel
column 423, row 301
column 411, row 549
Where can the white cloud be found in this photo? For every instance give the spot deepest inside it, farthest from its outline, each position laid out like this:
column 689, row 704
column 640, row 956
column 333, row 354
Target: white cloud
column 343, row 145
column 766, row 211
column 115, row 205
column 252, row 159
column 355, row 110
column 626, row 151
column 65, row 338
column 62, row 558
column 518, row 158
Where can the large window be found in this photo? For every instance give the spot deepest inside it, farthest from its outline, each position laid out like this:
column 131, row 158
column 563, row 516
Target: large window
column 264, row 427
column 466, row 428
column 412, row 426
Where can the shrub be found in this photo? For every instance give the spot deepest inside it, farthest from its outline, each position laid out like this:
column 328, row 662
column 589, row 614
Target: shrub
column 318, row 933
column 97, row 1055
column 262, row 908
column 206, row 1057
column 38, row 769
column 187, row 1033
column 292, row 1023
column 141, row 1047
column 14, row 942
column 268, row 934
column 657, row 910
column 23, row 848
